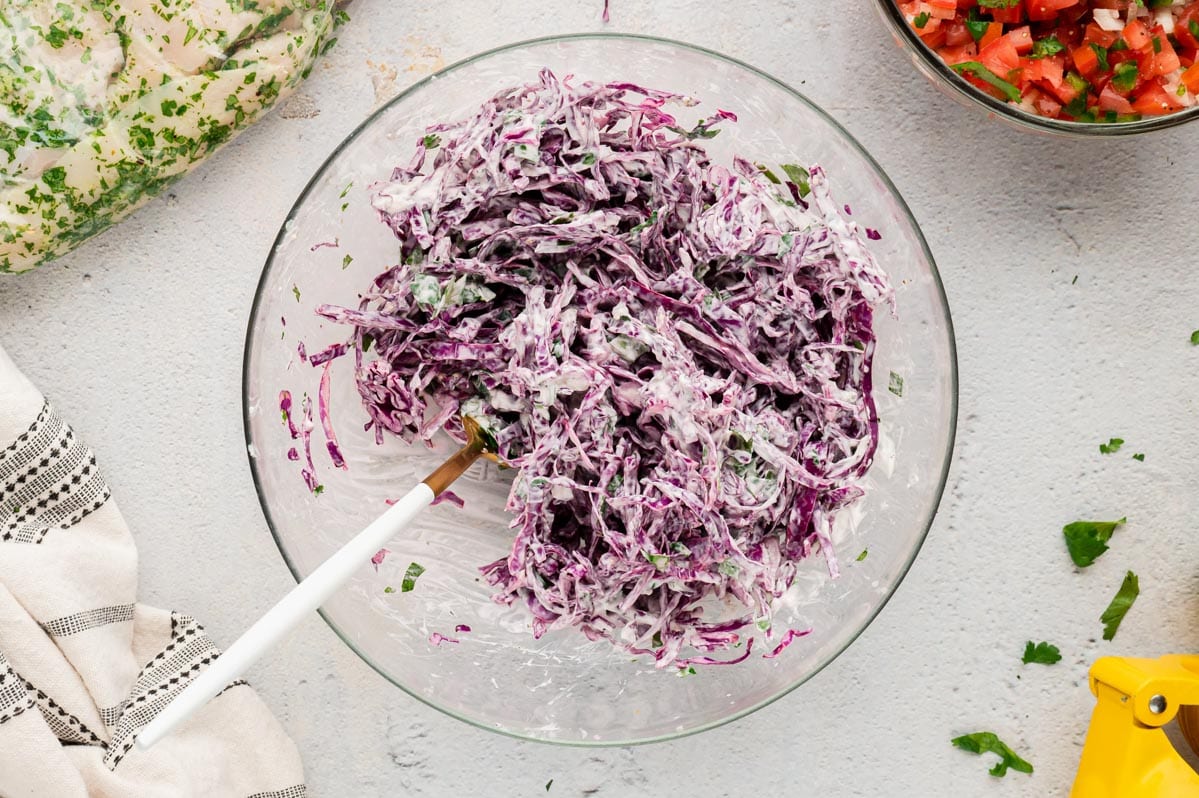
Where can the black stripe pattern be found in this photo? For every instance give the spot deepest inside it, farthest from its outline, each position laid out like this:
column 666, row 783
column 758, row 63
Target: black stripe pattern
column 298, row 791
column 188, row 653
column 89, row 619
column 14, row 698
column 48, row 480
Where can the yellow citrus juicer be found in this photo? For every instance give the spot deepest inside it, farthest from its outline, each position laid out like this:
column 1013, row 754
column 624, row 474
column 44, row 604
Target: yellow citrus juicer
column 1127, row 753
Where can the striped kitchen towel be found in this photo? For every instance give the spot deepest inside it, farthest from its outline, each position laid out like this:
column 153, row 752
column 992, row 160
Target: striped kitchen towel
column 82, row 665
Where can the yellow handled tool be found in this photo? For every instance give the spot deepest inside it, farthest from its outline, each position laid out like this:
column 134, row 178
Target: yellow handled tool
column 1127, row 753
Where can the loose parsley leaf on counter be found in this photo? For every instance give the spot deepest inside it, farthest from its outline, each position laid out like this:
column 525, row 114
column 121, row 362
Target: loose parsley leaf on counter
column 1139, row 457
column 1112, row 446
column 987, row 742
column 1086, row 540
column 1130, row 588
column 1041, row 654
column 410, row 576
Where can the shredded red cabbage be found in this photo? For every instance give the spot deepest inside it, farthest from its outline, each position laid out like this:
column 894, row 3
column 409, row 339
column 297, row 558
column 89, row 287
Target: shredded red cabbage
column 674, row 356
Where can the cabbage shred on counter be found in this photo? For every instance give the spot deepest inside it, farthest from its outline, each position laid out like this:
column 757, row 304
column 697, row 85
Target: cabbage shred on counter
column 674, row 356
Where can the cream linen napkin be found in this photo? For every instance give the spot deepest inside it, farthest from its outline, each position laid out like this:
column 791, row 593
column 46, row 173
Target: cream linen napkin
column 82, row 665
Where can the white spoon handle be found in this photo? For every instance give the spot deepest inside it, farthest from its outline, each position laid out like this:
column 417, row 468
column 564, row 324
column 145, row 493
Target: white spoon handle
column 284, row 616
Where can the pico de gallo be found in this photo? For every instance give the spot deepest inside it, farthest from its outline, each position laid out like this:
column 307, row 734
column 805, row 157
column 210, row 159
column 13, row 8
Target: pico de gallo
column 1079, row 60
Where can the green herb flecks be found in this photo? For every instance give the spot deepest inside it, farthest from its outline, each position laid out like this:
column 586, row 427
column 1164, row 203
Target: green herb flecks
column 1087, row 540
column 295, row 289
column 987, row 76
column 800, row 176
column 1041, row 654
column 895, row 384
column 410, row 576
column 1043, row 48
column 1125, row 76
column 431, row 141
column 1130, row 588
column 1139, row 457
column 389, row 589
column 1195, row 338
column 347, row 260
column 921, row 19
column 862, row 556
column 549, row 784
column 1112, row 446
column 987, row 742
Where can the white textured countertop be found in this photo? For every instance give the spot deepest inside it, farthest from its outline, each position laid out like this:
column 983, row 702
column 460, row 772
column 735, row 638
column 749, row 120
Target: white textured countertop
column 138, row 338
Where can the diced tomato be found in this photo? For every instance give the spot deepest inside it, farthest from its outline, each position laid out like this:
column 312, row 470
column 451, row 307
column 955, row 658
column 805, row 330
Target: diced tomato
column 1064, row 92
column 957, row 34
column 993, row 32
column 1086, row 61
column 942, row 9
column 1109, row 100
column 1097, row 35
column 1053, row 70
column 1021, row 39
column 1000, row 56
column 1154, row 100
column 958, row 55
column 1182, row 27
column 1047, row 106
column 1190, row 79
column 935, row 37
column 1008, row 16
column 1043, row 10
column 1137, row 35
column 1166, row 61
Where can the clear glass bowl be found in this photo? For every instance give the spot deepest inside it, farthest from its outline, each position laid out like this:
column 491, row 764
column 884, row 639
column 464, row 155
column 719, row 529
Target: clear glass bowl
column 563, row 688
column 965, row 92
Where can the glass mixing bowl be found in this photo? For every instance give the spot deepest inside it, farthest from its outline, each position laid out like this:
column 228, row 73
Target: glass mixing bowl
column 563, row 688
column 936, row 70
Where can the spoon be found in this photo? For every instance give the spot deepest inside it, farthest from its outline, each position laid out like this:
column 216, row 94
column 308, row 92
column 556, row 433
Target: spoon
column 314, row 590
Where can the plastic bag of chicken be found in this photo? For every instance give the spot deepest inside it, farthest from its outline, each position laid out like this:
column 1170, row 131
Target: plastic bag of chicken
column 105, row 102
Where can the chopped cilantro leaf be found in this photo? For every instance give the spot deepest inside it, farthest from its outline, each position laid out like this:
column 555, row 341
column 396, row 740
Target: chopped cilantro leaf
column 295, row 289
column 895, row 384
column 347, row 260
column 862, row 556
column 318, row 490
column 921, row 20
column 431, row 141
column 1139, row 457
column 549, row 784
column 410, row 576
column 1043, row 48
column 389, row 589
column 998, row 3
column 987, row 742
column 1130, row 588
column 1112, row 446
column 1101, row 54
column 987, row 76
column 1087, row 540
column 1195, row 338
column 1041, row 653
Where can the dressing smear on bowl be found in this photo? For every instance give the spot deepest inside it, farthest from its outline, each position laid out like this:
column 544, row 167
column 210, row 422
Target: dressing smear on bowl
column 674, row 358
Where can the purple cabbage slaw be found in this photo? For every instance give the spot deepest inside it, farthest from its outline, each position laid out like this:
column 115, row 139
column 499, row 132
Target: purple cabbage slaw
column 674, row 356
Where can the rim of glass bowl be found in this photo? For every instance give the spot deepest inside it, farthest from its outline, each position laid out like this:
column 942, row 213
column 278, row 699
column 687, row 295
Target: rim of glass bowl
column 890, row 187
column 899, row 26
